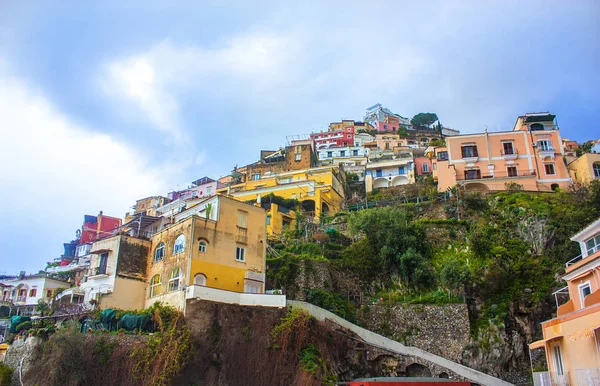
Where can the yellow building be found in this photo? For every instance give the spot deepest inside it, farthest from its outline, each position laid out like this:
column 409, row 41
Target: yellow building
column 585, row 168
column 218, row 243
column 320, row 191
column 571, row 340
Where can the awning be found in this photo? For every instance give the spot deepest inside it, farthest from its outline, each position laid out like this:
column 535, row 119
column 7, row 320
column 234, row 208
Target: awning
column 537, row 344
column 99, row 251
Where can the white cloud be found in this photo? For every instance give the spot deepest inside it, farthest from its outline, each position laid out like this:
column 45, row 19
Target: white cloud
column 53, row 171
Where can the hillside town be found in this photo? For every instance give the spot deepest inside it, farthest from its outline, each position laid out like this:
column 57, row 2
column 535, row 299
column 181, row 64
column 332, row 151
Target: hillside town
column 210, row 241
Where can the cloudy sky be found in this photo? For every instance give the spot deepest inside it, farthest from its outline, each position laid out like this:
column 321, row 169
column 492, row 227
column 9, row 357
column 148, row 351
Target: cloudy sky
column 104, row 103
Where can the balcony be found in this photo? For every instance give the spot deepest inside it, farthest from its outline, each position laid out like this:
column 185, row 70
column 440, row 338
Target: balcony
column 510, row 154
column 97, row 272
column 21, row 299
column 242, row 235
column 580, row 260
column 587, row 376
column 547, row 378
column 477, row 175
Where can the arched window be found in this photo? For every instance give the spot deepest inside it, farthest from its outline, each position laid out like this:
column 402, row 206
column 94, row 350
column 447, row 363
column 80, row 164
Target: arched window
column 202, row 247
column 159, row 253
column 200, row 279
column 179, row 245
column 174, row 279
column 155, row 286
column 536, row 127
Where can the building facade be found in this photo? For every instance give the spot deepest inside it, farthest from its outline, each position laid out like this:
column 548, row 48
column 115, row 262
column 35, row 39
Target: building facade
column 572, row 340
column 585, row 168
column 387, row 172
column 22, row 293
column 219, row 243
column 531, row 156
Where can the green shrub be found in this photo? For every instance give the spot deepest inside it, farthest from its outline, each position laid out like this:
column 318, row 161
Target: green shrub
column 5, row 375
column 332, row 302
column 23, row 326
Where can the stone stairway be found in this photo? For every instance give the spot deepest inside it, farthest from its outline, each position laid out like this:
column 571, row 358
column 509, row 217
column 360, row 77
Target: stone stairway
column 384, row 343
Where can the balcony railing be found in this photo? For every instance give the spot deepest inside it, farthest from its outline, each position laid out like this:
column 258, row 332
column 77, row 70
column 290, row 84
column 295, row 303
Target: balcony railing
column 574, row 260
column 21, row 299
column 498, row 174
column 509, row 152
column 98, row 271
column 547, row 378
column 588, row 376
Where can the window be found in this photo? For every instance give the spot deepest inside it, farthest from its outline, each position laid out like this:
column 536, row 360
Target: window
column 242, row 219
column 442, row 156
column 549, row 169
column 298, row 157
column 174, row 280
column 434, row 166
column 269, row 220
column 378, row 173
column 49, row 293
column 256, row 177
column 507, row 148
column 511, row 171
column 240, row 254
column 159, row 253
column 342, row 153
column 387, row 146
column 349, row 136
column 252, row 288
column 596, row 168
column 32, row 293
column 294, row 196
column 329, row 154
column 472, row 174
column 557, row 357
column 179, row 245
column 536, row 127
column 469, row 151
column 202, row 247
column 401, row 170
column 103, row 264
column 200, row 279
column 155, row 286
column 545, row 145
column 425, row 168
column 593, row 245
column 584, row 290
column 355, row 153
column 208, row 190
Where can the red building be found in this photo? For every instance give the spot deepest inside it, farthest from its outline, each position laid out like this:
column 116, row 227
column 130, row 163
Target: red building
column 335, row 137
column 97, row 227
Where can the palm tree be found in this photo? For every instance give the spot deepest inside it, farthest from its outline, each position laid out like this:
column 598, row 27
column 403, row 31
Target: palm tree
column 42, row 307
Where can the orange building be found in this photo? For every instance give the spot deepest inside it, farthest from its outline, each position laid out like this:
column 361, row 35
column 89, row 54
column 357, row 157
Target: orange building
column 530, row 156
column 571, row 340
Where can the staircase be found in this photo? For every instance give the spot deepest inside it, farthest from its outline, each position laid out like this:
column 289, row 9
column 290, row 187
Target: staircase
column 384, row 343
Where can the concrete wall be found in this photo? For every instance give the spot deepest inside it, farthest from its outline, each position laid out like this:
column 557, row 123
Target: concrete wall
column 244, row 299
column 127, row 294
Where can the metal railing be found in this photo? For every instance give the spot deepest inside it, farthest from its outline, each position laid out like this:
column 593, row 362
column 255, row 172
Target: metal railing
column 547, row 378
column 574, row 260
column 510, row 152
column 589, row 377
column 498, row 174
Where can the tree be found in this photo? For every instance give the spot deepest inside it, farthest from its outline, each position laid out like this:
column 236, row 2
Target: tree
column 424, row 120
column 42, row 307
column 402, row 132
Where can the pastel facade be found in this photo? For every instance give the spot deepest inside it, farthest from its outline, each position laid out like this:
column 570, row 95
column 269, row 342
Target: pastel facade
column 23, row 292
column 117, row 274
column 201, row 188
column 531, row 155
column 149, row 205
column 320, row 190
column 219, row 243
column 572, row 339
column 585, row 168
column 423, row 166
column 386, row 173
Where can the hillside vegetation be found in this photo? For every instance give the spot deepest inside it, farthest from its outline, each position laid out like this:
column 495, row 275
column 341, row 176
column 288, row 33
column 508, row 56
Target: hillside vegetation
column 502, row 254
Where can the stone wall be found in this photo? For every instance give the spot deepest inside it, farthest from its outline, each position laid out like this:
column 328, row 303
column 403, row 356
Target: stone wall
column 133, row 256
column 442, row 330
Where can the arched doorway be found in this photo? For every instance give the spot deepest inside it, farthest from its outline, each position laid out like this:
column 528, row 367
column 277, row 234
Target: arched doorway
column 200, row 279
column 325, row 208
column 380, row 182
column 444, row 376
column 308, row 206
column 418, row 370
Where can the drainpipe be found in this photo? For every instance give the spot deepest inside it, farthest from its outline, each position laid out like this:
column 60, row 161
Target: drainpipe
column 189, row 263
column 535, row 157
column 489, row 151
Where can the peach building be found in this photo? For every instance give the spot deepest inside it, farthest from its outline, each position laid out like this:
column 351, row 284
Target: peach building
column 531, row 155
column 571, row 340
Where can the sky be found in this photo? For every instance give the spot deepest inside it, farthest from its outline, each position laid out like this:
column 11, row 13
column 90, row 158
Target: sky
column 103, row 103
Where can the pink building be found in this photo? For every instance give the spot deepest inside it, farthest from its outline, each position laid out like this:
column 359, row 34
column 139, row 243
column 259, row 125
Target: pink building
column 423, row 166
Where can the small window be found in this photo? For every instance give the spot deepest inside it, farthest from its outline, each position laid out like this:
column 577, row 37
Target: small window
column 342, row 153
column 256, row 177
column 208, row 191
column 584, row 290
column 200, row 279
column 442, row 156
column 202, row 247
column 549, row 169
column 355, row 153
column 49, row 293
column 32, row 293
column 155, row 286
column 596, row 168
column 507, row 148
column 243, row 219
column 179, row 245
column 469, row 151
column 557, row 357
column 329, row 154
column 511, row 171
column 545, row 145
column 298, row 157
column 425, row 168
column 159, row 253
column 269, row 220
column 174, row 280
column 240, row 254
column 294, row 196
column 434, row 166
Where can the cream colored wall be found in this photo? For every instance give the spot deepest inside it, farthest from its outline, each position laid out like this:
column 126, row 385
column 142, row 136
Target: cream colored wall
column 582, row 168
column 111, row 243
column 127, row 295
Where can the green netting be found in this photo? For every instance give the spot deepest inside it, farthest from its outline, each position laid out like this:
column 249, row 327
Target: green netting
column 108, row 318
column 131, row 322
column 15, row 321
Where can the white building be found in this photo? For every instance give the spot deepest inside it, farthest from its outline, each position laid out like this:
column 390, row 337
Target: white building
column 389, row 172
column 24, row 292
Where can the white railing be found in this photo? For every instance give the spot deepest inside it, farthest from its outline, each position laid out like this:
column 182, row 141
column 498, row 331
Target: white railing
column 590, row 377
column 547, row 378
column 243, row 299
column 574, row 260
